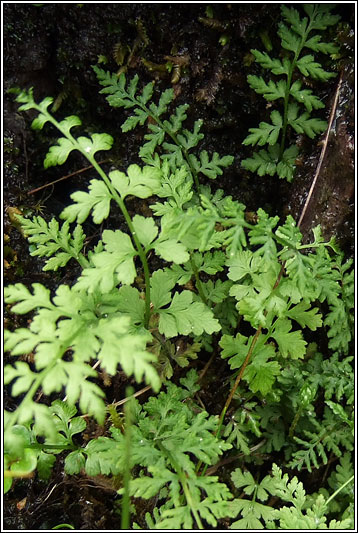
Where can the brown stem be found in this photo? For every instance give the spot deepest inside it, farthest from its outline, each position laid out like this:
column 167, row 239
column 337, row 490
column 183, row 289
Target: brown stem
column 247, row 358
column 238, row 379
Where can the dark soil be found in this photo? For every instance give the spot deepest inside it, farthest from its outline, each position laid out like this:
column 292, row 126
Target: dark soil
column 52, row 47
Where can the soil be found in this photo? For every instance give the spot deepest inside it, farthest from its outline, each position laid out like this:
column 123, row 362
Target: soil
column 51, row 47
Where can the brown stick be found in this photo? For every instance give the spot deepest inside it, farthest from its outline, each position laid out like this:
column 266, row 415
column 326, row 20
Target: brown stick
column 323, row 151
column 65, row 177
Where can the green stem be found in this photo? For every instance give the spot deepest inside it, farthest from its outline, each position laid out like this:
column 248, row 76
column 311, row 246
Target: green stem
column 119, row 201
column 137, row 243
column 184, row 484
column 339, row 489
column 233, row 390
column 176, row 141
column 288, row 87
column 139, row 247
column 190, row 503
column 45, row 446
column 198, row 283
column 238, row 379
column 295, row 421
column 81, row 259
column 127, row 472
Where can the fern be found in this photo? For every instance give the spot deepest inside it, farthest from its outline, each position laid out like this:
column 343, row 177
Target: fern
column 166, row 436
column 177, row 152
column 296, row 33
column 255, row 515
column 25, row 452
column 50, row 239
column 196, row 275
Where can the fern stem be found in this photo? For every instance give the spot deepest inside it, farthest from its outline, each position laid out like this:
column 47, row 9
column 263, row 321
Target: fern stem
column 238, row 379
column 288, row 87
column 198, row 283
column 294, row 422
column 233, row 390
column 127, row 473
column 184, row 484
column 45, row 446
column 176, row 141
column 119, row 201
column 190, row 503
column 339, row 489
column 81, row 259
column 137, row 243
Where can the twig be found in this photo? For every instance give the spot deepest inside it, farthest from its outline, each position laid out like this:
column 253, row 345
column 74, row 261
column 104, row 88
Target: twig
column 138, row 393
column 65, row 177
column 26, row 159
column 323, row 151
column 206, row 367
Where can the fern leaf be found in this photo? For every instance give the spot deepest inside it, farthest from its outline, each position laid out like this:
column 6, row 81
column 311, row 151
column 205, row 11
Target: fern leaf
column 97, row 199
column 292, row 16
column 305, row 97
column 174, row 124
column 262, row 234
column 145, row 229
column 275, row 65
column 263, row 162
column 265, row 133
column 315, row 44
column 303, row 124
column 112, row 266
column 309, row 67
column 171, row 250
column 165, row 99
column 212, row 168
column 140, row 182
column 153, row 140
column 289, row 343
column 139, row 117
column 252, row 512
column 49, row 239
column 321, row 16
column 190, row 139
column 27, row 301
column 289, row 39
column 271, row 90
column 186, row 317
column 311, row 318
column 146, row 94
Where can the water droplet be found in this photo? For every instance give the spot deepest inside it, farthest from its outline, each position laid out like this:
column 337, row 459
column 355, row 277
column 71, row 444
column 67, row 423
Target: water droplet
column 88, row 149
